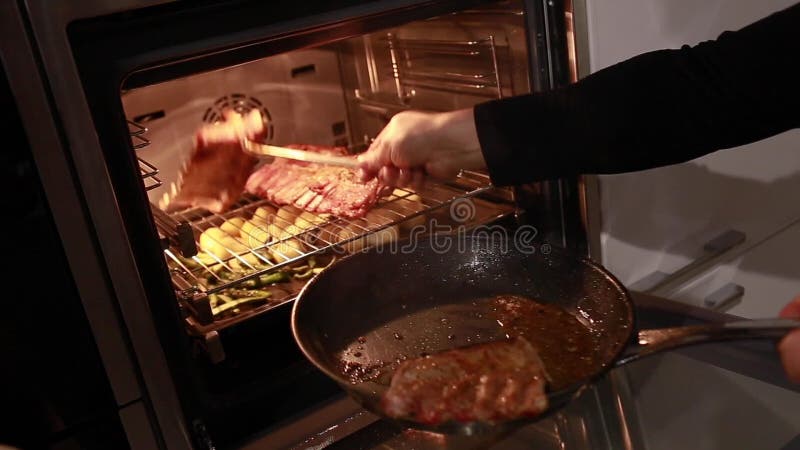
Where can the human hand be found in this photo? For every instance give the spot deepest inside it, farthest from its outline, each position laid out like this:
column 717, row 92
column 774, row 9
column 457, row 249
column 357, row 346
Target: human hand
column 789, row 347
column 415, row 144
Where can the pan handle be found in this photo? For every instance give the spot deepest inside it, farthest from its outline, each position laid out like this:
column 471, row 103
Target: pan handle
column 662, row 339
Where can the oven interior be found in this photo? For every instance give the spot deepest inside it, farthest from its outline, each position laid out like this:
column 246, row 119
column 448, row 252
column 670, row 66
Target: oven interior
column 232, row 273
column 228, row 267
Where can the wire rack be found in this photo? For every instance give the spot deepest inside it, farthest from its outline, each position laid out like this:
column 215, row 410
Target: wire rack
column 147, row 171
column 473, row 65
column 464, row 67
column 263, row 247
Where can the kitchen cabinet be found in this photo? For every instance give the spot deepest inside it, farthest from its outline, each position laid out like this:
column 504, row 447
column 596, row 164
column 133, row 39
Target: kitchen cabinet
column 657, row 221
column 754, row 284
column 688, row 404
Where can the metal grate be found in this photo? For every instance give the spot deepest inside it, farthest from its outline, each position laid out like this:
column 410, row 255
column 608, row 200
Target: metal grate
column 255, row 252
column 474, row 71
column 137, row 132
column 147, row 171
column 470, row 67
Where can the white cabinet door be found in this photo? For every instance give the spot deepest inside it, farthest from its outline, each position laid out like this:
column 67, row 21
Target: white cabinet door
column 659, row 220
column 755, row 284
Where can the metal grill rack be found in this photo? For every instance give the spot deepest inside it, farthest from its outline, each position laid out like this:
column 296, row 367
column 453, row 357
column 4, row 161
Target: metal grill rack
column 466, row 67
column 149, row 175
column 477, row 72
column 252, row 253
column 147, row 171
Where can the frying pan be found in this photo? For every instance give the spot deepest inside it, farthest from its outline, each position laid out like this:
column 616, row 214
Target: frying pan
column 375, row 307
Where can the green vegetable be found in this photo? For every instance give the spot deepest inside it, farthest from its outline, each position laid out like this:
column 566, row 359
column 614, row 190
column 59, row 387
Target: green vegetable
column 213, row 300
column 300, row 269
column 238, row 293
column 225, row 298
column 272, row 278
column 304, row 275
column 234, row 305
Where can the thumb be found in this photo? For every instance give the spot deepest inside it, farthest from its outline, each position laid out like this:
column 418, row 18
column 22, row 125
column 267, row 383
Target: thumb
column 371, row 161
column 792, row 310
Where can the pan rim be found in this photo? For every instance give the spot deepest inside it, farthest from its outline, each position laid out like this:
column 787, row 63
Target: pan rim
column 569, row 391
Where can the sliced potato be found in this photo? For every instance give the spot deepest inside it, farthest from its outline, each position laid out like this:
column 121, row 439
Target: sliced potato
column 351, row 230
column 406, row 204
column 211, row 241
column 232, row 226
column 265, row 213
column 220, row 244
column 250, row 261
column 307, row 220
column 255, row 234
column 206, row 259
column 407, row 195
column 283, row 251
column 291, row 230
column 277, row 228
column 288, row 213
column 234, row 245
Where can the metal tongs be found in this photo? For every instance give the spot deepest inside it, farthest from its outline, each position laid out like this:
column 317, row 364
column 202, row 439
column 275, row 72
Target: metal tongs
column 260, row 150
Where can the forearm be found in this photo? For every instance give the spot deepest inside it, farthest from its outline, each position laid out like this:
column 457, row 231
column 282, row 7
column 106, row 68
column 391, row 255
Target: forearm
column 658, row 108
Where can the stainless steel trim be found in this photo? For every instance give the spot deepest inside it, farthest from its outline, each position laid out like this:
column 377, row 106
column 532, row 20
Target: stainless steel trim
column 496, row 66
column 65, row 204
column 398, row 85
column 137, row 427
column 712, row 250
column 725, row 297
column 49, row 21
column 325, row 425
column 580, row 25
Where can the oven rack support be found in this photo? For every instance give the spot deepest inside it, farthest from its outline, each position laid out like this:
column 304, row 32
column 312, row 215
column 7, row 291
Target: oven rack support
column 147, row 171
column 408, row 74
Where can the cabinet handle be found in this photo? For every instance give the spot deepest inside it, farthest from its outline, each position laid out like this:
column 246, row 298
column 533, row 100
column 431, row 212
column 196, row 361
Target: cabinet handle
column 725, row 297
column 711, row 249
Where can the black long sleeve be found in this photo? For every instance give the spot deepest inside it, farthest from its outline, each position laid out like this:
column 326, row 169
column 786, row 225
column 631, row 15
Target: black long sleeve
column 655, row 109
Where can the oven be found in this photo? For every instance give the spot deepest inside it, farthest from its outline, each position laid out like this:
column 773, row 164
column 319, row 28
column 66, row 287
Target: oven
column 190, row 308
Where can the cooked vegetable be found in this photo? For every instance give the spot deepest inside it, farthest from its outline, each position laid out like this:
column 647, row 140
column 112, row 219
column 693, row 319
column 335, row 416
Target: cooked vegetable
column 265, row 213
column 272, row 278
column 232, row 305
column 232, row 226
column 405, row 204
column 356, row 228
column 278, row 228
column 288, row 213
column 306, row 220
column 288, row 249
column 220, row 244
column 239, row 293
column 254, row 233
column 351, row 230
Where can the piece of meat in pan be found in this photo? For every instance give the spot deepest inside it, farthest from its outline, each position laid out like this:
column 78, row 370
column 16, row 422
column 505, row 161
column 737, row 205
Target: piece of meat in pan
column 217, row 170
column 489, row 382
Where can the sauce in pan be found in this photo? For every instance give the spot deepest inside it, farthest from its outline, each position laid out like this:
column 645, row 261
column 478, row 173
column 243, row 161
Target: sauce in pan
column 568, row 348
